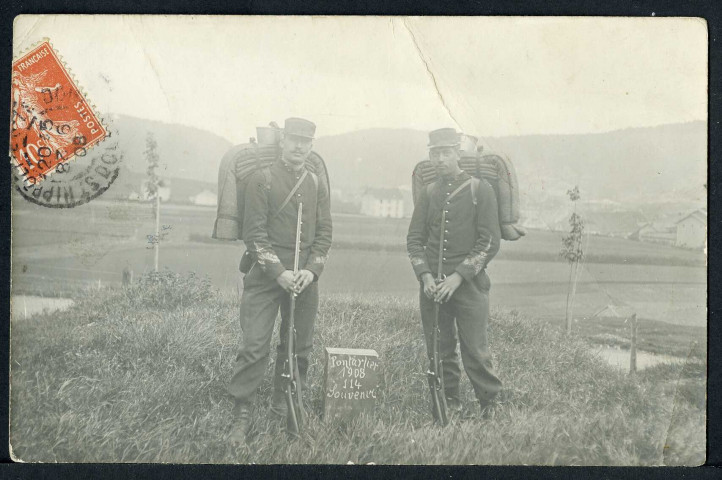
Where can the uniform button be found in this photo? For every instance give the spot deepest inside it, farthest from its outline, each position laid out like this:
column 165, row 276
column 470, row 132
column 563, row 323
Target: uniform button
column 446, row 240
column 446, row 211
column 448, row 203
column 449, row 184
column 443, row 259
column 446, row 231
column 447, row 221
column 298, row 194
column 444, row 249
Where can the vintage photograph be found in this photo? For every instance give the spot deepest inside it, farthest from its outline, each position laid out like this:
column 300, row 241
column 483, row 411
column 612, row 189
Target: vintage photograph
column 359, row 240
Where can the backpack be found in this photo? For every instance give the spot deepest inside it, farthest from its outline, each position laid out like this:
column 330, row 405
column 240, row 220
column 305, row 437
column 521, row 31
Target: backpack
column 496, row 170
column 236, row 168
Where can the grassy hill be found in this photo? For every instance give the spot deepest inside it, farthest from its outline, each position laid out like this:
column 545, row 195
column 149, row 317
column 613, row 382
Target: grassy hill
column 138, row 375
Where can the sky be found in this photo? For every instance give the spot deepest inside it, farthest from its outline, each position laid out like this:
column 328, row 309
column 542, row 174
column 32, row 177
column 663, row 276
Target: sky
column 488, row 76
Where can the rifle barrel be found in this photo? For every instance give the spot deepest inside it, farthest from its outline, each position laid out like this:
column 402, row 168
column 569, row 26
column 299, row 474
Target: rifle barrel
column 299, row 223
column 440, row 266
column 436, row 383
column 293, row 387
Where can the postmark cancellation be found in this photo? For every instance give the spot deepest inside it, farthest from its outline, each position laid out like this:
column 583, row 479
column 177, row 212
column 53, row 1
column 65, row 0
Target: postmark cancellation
column 53, row 130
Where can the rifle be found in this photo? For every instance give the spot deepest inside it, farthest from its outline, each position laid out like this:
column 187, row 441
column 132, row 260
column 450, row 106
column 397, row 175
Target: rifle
column 435, row 373
column 294, row 394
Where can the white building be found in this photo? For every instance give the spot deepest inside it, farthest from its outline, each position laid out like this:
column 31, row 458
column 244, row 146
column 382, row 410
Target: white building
column 692, row 230
column 205, row 198
column 382, row 202
column 657, row 232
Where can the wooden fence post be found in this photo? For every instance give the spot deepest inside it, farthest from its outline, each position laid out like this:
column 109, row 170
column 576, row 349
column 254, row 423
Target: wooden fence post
column 633, row 347
column 127, row 276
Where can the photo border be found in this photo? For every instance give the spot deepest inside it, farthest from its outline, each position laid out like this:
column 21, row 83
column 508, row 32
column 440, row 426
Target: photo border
column 703, row 9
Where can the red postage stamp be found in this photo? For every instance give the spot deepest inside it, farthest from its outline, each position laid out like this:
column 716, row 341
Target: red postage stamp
column 51, row 121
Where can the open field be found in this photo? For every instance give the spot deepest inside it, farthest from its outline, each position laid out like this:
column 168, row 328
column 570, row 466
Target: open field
column 672, row 294
column 101, row 221
column 368, row 233
column 138, row 375
column 59, row 251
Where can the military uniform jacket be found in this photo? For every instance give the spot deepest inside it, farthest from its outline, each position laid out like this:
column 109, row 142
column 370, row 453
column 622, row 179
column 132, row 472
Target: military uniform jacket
column 270, row 234
column 471, row 232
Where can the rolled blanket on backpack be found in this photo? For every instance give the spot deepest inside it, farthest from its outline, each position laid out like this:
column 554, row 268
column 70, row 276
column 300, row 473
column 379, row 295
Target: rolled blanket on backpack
column 226, row 226
column 507, row 196
column 236, row 166
column 240, row 161
column 498, row 171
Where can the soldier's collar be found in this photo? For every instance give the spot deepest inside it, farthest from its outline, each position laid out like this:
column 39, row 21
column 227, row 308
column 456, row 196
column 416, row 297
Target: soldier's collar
column 455, row 178
column 286, row 166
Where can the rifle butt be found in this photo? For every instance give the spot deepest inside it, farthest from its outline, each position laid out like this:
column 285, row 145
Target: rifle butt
column 436, row 376
column 438, row 403
column 292, row 425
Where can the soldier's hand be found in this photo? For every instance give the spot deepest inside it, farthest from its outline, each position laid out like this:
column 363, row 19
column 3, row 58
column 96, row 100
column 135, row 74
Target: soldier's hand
column 302, row 280
column 429, row 285
column 285, row 280
column 446, row 289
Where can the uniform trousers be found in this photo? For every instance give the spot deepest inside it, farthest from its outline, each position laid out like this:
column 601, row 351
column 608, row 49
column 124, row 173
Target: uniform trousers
column 463, row 319
column 260, row 303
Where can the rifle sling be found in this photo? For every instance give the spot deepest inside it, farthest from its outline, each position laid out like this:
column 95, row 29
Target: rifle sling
column 291, row 193
column 460, row 188
column 286, row 200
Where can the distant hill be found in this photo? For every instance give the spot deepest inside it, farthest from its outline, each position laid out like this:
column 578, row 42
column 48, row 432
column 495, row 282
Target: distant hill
column 635, row 164
column 185, row 152
column 372, row 158
column 638, row 165
column 651, row 165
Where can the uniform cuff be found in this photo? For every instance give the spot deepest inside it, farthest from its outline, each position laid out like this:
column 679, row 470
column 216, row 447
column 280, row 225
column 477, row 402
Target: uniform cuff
column 315, row 268
column 273, row 270
column 467, row 272
column 315, row 264
column 421, row 269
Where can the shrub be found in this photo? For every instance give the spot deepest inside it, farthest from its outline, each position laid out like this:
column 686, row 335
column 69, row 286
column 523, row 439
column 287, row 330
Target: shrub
column 168, row 290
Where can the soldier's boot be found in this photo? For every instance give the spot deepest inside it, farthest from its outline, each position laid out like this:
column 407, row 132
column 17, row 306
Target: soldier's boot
column 240, row 423
column 453, row 400
column 487, row 408
column 453, row 405
column 278, row 403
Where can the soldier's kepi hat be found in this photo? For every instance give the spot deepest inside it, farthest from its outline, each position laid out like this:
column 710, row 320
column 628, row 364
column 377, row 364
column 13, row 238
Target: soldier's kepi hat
column 444, row 137
column 299, row 127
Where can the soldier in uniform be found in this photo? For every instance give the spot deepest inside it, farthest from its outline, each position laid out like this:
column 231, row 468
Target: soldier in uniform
column 269, row 232
column 471, row 239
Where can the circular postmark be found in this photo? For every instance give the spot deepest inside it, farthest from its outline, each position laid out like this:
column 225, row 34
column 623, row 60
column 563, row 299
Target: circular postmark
column 76, row 182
